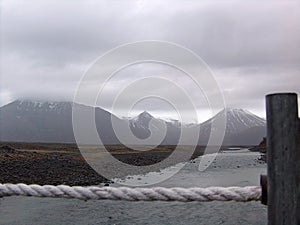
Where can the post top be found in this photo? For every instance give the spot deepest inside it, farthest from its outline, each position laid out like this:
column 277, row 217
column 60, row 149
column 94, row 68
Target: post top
column 282, row 94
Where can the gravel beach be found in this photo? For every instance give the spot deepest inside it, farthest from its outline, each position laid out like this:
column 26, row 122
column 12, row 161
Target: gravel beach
column 35, row 163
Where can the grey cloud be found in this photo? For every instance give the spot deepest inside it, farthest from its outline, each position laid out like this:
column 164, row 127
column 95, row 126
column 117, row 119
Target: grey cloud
column 240, row 33
column 252, row 47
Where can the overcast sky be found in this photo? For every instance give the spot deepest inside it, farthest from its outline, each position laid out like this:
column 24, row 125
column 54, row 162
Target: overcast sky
column 252, row 47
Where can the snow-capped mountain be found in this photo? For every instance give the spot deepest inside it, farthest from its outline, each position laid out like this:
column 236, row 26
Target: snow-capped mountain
column 38, row 121
column 237, row 120
column 240, row 119
column 140, row 126
column 242, row 127
column 142, row 120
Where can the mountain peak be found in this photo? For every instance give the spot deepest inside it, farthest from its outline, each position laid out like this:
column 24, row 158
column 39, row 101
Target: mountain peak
column 235, row 110
column 245, row 112
column 237, row 120
column 145, row 114
column 142, row 121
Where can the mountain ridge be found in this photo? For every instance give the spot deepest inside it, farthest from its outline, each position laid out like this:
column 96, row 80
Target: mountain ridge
column 48, row 121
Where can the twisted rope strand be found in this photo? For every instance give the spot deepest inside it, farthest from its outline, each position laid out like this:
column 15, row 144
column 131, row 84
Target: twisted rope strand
column 239, row 194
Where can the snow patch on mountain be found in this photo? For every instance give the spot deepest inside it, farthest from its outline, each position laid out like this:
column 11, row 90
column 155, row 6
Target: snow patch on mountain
column 42, row 106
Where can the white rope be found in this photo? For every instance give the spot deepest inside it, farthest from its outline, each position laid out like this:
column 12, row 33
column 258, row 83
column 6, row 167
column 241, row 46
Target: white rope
column 239, row 194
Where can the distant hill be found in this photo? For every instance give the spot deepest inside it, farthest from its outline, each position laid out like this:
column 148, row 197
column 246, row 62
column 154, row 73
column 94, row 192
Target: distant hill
column 34, row 121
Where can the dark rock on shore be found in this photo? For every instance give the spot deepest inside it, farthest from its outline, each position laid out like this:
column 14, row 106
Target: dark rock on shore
column 45, row 168
column 262, row 148
column 7, row 149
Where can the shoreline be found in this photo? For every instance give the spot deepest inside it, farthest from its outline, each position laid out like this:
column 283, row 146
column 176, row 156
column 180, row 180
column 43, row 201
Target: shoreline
column 57, row 164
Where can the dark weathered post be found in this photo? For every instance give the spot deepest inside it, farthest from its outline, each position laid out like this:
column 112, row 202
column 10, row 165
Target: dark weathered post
column 283, row 159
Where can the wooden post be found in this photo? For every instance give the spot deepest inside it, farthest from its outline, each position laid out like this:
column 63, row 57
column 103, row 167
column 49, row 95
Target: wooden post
column 283, row 159
column 264, row 189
